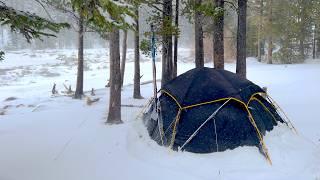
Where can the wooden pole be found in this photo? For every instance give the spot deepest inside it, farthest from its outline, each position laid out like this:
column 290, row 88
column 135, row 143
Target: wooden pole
column 154, row 70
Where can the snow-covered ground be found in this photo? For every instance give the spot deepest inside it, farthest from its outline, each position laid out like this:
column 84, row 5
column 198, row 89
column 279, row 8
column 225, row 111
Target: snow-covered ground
column 59, row 138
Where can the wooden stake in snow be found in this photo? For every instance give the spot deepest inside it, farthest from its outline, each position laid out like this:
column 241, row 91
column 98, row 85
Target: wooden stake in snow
column 153, row 54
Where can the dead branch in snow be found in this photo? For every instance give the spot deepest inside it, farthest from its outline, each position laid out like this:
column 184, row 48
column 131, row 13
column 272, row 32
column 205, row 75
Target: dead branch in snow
column 68, row 90
column 90, row 101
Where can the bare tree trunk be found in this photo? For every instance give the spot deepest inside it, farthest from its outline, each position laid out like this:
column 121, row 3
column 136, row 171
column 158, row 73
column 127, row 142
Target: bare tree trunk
column 301, row 49
column 124, row 55
column 136, row 86
column 241, row 68
column 166, row 43
column 269, row 58
column 270, row 45
column 317, row 41
column 175, row 46
column 79, row 87
column 199, row 56
column 114, row 115
column 218, row 42
column 260, row 32
column 314, row 42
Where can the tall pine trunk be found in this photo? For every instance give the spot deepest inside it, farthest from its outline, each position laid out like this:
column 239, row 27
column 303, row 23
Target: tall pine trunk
column 218, row 40
column 136, row 86
column 303, row 28
column 260, row 31
column 314, row 42
column 317, row 42
column 301, row 49
column 175, row 45
column 124, row 55
column 114, row 115
column 166, row 43
column 199, row 55
column 241, row 68
column 270, row 43
column 79, row 87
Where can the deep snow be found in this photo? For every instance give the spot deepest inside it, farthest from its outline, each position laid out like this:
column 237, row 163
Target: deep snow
column 58, row 138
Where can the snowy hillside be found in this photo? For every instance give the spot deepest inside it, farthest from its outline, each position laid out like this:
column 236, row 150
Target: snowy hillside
column 58, row 138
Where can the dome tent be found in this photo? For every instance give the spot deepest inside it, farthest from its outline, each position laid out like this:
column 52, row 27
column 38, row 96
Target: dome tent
column 207, row 110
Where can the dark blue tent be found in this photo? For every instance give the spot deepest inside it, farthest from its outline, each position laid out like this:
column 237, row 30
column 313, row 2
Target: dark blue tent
column 207, row 110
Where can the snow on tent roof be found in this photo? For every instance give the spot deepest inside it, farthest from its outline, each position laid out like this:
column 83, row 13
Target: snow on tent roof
column 207, row 84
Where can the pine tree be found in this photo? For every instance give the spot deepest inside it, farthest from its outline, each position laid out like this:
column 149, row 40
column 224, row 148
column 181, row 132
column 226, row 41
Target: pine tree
column 136, row 85
column 270, row 43
column 79, row 86
column 166, row 42
column 81, row 23
column 175, row 45
column 124, row 55
column 260, row 42
column 96, row 11
column 199, row 51
column 114, row 114
column 218, row 39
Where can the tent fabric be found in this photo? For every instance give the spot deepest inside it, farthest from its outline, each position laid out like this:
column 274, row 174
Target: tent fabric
column 205, row 84
column 187, row 95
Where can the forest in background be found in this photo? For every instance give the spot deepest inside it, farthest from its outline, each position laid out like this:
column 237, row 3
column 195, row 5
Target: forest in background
column 294, row 28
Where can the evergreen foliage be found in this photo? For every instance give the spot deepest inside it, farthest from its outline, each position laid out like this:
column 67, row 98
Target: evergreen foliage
column 107, row 14
column 29, row 25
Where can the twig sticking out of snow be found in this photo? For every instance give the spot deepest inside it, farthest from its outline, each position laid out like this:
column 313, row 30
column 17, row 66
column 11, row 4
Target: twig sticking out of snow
column 69, row 90
column 92, row 92
column 54, row 91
